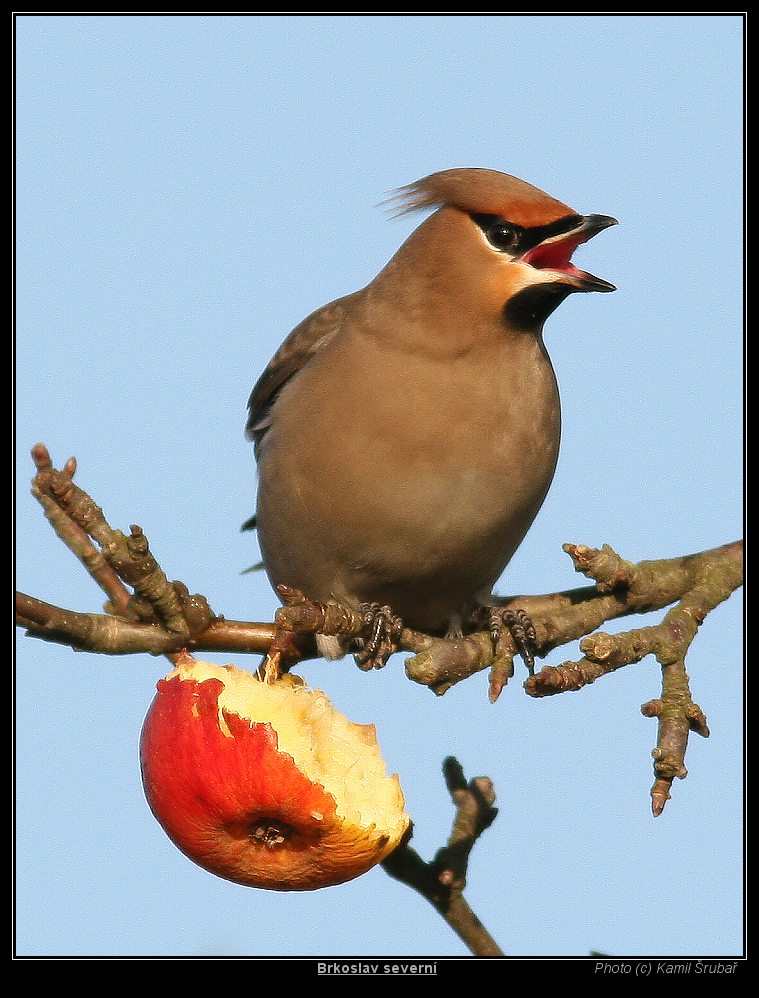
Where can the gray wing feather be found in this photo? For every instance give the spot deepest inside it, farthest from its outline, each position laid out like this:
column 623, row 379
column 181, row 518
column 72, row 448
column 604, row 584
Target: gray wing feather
column 303, row 342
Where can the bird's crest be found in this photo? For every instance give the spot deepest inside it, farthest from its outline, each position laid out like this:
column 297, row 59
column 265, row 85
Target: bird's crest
column 478, row 191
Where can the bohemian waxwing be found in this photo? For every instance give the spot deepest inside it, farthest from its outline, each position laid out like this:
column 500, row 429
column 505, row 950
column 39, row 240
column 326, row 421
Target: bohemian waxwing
column 407, row 434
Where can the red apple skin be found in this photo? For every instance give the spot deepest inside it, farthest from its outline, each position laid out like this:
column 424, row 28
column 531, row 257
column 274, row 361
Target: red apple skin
column 236, row 805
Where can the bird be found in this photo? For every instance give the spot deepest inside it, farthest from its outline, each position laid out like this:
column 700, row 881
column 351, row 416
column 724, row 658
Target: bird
column 406, row 435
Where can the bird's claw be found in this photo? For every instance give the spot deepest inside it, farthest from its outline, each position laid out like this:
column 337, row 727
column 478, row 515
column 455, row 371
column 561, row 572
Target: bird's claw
column 383, row 632
column 521, row 629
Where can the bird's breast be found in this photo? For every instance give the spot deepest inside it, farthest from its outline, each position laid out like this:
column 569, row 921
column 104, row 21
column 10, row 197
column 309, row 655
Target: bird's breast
column 387, row 476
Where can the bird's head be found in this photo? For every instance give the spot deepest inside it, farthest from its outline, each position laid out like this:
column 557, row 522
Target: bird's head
column 495, row 246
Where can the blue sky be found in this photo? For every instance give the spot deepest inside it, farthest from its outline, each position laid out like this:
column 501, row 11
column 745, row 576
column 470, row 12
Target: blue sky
column 189, row 188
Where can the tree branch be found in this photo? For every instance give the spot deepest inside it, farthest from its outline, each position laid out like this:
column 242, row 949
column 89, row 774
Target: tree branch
column 73, row 536
column 443, row 880
column 109, row 635
column 147, row 613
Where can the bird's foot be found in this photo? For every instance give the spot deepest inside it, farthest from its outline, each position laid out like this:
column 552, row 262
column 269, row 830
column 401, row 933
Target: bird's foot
column 382, row 633
column 521, row 629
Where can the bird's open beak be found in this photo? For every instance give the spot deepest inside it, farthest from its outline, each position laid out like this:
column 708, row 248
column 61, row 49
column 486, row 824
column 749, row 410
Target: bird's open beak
column 555, row 253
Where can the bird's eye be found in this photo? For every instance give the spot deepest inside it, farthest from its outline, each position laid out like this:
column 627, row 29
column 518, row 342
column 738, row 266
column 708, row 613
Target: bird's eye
column 502, row 236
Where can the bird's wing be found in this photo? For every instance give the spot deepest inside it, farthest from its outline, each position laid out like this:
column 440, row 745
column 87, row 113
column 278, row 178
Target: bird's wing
column 303, row 342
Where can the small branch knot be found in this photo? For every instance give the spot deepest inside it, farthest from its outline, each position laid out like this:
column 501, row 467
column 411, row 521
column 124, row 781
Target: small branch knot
column 605, row 566
column 137, row 542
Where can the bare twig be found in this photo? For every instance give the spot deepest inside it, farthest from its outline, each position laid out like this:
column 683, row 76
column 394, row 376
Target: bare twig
column 702, row 582
column 443, row 880
column 678, row 715
column 110, row 635
column 73, row 536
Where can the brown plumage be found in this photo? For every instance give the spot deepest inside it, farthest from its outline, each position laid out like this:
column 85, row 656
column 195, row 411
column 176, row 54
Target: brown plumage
column 407, row 434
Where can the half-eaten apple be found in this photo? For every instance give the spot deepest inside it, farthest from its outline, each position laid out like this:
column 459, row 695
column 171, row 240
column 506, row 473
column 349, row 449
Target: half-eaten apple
column 266, row 784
